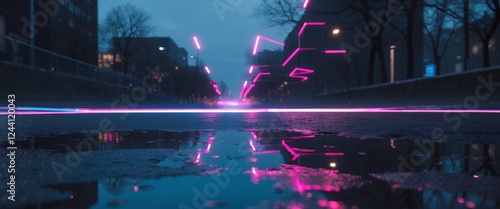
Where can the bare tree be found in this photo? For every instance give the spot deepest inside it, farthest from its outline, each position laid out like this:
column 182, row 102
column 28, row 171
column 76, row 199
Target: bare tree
column 484, row 24
column 479, row 16
column 278, row 12
column 411, row 10
column 365, row 9
column 439, row 28
column 121, row 26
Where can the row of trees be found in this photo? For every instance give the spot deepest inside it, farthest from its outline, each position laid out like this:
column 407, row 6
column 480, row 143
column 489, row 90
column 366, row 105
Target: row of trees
column 442, row 19
column 122, row 30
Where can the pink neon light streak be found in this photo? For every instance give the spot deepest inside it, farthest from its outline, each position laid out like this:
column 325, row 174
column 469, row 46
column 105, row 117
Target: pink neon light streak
column 216, row 89
column 289, row 149
column 303, row 150
column 272, row 41
column 257, row 42
column 207, row 69
column 248, row 90
column 306, row 3
column 335, row 51
column 311, row 24
column 293, row 55
column 251, row 69
column 258, row 76
column 256, row 45
column 254, row 171
column 198, row 46
column 210, row 141
column 334, row 154
column 251, row 145
column 300, row 73
column 245, row 84
column 248, row 110
column 266, row 152
column 198, row 157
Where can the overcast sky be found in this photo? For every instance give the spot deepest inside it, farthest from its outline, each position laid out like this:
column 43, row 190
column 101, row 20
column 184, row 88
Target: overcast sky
column 224, row 41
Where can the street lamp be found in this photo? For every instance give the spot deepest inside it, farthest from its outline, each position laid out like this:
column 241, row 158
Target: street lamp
column 335, row 31
column 392, row 63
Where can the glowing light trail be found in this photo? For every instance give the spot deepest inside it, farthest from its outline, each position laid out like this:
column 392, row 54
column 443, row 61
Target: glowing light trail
column 335, row 51
column 207, row 69
column 306, row 3
column 247, row 110
column 257, row 42
column 198, row 46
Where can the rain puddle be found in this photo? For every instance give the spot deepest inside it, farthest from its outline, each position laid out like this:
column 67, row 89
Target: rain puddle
column 295, row 169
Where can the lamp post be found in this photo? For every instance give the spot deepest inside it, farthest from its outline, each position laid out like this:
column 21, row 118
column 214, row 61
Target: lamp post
column 392, row 63
column 333, row 32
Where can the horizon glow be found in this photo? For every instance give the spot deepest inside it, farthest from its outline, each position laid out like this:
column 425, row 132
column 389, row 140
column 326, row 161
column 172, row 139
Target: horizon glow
column 246, row 110
column 309, row 23
column 301, row 75
column 198, row 46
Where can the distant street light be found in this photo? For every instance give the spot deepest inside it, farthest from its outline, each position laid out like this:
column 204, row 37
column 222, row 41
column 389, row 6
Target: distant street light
column 161, row 48
column 336, row 31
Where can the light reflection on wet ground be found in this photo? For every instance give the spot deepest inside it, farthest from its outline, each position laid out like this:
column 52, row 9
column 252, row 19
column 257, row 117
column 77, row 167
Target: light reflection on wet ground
column 273, row 169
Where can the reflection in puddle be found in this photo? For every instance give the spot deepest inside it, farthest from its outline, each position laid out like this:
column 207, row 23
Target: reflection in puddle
column 288, row 169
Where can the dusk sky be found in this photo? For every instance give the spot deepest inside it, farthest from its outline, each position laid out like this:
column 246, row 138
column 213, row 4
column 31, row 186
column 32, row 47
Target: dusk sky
column 225, row 42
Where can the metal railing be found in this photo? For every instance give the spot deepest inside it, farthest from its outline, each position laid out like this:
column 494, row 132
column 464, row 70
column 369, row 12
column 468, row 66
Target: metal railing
column 20, row 52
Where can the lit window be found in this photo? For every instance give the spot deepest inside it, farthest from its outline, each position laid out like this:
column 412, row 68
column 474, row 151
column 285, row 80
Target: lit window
column 2, row 32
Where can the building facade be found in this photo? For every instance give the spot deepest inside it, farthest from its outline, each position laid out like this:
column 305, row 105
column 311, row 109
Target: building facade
column 65, row 27
column 346, row 30
column 160, row 53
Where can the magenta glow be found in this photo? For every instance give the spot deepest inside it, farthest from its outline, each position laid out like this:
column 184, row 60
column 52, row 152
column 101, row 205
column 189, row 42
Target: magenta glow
column 250, row 70
column 306, row 3
column 257, row 43
column 340, row 51
column 197, row 43
column 248, row 110
column 207, row 69
column 300, row 73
